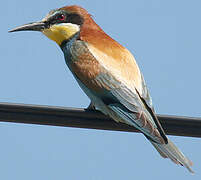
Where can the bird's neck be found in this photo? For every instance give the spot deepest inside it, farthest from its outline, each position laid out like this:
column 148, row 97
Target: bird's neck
column 66, row 44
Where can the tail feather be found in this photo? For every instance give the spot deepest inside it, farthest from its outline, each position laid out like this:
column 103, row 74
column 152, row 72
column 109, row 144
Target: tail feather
column 172, row 152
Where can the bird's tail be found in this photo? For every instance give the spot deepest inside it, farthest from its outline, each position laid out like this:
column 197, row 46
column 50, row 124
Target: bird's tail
column 172, row 152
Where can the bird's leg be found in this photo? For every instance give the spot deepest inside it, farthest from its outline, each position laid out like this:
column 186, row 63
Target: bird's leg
column 91, row 107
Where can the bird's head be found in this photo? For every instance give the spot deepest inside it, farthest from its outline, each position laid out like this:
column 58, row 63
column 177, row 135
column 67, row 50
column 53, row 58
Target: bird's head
column 61, row 24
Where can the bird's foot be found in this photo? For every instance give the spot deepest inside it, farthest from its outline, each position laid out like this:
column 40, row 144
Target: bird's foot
column 91, row 107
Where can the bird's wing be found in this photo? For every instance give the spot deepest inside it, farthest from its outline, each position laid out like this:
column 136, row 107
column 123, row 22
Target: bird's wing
column 129, row 107
column 125, row 86
column 147, row 100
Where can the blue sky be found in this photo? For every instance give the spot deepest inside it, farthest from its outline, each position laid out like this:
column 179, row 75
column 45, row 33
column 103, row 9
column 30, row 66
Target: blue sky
column 165, row 38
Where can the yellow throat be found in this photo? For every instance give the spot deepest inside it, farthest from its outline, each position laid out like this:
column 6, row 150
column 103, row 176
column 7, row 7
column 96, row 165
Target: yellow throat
column 61, row 32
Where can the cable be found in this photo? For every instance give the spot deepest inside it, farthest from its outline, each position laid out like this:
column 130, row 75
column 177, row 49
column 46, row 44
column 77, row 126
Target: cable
column 81, row 118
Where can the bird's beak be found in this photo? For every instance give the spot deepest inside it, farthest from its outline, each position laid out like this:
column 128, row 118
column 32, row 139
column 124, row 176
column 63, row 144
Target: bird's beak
column 35, row 26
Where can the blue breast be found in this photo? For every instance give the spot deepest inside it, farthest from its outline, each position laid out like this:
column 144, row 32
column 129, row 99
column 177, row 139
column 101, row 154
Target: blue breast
column 66, row 48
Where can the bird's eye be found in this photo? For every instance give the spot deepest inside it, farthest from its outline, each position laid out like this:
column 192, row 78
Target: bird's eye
column 61, row 17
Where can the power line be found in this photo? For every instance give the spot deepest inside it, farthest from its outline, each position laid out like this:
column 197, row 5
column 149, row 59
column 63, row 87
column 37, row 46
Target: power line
column 81, row 118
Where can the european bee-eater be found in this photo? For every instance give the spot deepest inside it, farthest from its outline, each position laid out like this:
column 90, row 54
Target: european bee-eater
column 107, row 72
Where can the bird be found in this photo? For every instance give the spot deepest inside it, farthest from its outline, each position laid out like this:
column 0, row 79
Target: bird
column 108, row 73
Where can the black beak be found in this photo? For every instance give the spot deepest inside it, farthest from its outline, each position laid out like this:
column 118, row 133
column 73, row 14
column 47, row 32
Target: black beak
column 35, row 26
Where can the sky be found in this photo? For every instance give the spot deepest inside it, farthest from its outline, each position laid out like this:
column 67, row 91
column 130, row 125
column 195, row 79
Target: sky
column 165, row 38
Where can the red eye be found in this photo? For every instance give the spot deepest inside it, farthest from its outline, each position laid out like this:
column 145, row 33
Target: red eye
column 61, row 17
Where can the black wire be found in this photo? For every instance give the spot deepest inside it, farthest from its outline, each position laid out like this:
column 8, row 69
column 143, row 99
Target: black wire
column 80, row 118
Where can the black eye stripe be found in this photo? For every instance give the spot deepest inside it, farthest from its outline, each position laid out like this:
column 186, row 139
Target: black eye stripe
column 75, row 19
column 64, row 17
